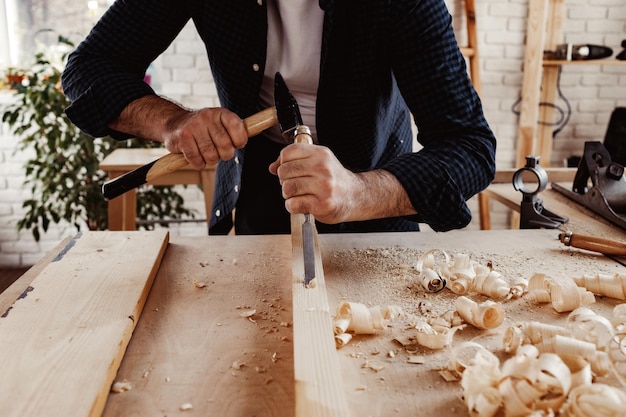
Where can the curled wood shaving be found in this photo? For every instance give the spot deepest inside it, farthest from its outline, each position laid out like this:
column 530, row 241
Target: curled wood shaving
column 585, row 324
column 587, row 336
column 357, row 318
column 565, row 296
column 361, row 319
column 613, row 286
column 342, row 339
column 530, row 333
column 434, row 338
column 595, row 400
column 430, row 276
column 492, row 284
column 532, row 383
column 487, row 315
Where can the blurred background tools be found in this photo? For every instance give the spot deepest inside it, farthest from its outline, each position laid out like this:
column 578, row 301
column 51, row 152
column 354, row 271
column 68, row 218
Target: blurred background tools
column 593, row 243
column 599, row 184
column 571, row 52
column 530, row 180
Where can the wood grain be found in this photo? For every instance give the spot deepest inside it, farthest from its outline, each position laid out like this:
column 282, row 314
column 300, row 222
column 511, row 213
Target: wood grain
column 64, row 338
column 319, row 388
column 193, row 346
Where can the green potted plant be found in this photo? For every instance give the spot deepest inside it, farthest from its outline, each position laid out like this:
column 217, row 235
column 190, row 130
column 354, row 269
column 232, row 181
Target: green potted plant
column 63, row 174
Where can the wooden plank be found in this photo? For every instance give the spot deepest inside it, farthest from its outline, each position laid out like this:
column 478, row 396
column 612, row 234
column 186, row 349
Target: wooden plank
column 64, row 338
column 8, row 296
column 319, row 390
column 192, row 345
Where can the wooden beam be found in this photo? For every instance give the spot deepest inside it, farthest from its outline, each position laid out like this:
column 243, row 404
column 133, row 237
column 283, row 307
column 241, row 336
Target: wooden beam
column 64, row 338
column 319, row 390
column 531, row 83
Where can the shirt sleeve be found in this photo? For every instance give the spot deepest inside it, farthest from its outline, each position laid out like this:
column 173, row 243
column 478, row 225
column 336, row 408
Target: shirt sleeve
column 457, row 158
column 105, row 72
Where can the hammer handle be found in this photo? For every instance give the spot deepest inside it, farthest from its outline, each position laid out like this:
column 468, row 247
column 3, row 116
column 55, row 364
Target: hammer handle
column 593, row 243
column 172, row 162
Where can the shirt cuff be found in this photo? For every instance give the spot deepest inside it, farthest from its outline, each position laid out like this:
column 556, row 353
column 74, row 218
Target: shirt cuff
column 93, row 110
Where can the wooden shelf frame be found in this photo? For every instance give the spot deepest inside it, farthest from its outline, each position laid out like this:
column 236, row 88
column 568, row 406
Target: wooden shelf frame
column 540, row 82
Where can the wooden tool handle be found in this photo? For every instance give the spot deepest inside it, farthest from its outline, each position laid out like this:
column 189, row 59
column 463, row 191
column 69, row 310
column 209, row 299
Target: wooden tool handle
column 593, row 243
column 172, row 162
column 302, row 134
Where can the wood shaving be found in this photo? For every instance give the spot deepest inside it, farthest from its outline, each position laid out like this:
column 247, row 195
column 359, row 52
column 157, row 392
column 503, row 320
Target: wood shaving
column 388, row 276
column 199, row 284
column 185, row 407
column 247, row 314
column 121, row 386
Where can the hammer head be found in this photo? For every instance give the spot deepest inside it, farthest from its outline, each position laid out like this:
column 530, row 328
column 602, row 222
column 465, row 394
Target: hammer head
column 286, row 108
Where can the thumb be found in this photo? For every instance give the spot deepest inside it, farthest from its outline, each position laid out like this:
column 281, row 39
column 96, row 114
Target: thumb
column 274, row 166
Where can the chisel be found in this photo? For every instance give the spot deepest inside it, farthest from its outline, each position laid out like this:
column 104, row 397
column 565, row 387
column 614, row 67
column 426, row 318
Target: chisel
column 292, row 129
column 593, row 243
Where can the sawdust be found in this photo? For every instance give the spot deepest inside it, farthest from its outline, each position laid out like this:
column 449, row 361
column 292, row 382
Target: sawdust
column 383, row 276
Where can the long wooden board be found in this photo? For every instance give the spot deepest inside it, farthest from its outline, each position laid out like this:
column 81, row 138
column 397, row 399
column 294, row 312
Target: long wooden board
column 63, row 339
column 319, row 390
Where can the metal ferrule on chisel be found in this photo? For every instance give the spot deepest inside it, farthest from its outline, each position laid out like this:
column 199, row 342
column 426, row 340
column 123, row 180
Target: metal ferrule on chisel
column 292, row 135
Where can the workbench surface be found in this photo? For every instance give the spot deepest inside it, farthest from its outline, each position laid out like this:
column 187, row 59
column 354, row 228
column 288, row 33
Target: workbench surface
column 215, row 333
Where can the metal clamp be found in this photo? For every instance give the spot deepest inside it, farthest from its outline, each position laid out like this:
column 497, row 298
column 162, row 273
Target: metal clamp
column 530, row 181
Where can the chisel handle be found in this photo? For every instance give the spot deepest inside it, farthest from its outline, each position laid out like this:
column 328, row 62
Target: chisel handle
column 593, row 243
column 172, row 162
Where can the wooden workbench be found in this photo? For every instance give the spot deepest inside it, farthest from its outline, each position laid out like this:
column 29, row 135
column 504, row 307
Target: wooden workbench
column 581, row 219
column 197, row 342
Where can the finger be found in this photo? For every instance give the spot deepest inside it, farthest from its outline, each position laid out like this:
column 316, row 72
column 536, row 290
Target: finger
column 274, row 166
column 192, row 154
column 225, row 132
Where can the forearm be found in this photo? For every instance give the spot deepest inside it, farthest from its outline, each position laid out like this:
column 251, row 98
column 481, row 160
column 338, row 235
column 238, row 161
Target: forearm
column 148, row 117
column 378, row 194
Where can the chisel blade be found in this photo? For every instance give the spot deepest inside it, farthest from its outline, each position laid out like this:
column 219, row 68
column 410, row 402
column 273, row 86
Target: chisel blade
column 308, row 248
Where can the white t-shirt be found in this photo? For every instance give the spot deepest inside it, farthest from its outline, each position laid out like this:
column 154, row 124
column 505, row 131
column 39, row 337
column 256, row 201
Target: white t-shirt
column 294, row 41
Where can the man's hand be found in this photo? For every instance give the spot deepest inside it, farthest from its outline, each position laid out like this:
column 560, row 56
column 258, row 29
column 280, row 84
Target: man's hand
column 203, row 136
column 314, row 181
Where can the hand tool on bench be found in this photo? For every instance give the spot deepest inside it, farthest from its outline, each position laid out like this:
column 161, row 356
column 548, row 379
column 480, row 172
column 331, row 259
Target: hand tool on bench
column 169, row 163
column 593, row 243
column 294, row 130
column 607, row 194
column 530, row 180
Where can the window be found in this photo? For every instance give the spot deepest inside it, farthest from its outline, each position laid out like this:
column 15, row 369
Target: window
column 27, row 25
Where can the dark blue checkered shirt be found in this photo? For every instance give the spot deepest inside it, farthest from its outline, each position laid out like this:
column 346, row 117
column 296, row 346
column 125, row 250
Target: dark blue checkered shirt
column 381, row 61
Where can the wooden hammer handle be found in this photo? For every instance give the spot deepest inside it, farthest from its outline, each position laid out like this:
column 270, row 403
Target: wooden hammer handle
column 593, row 243
column 172, row 162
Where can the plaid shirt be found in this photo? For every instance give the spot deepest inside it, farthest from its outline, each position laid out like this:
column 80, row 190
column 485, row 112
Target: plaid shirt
column 381, row 62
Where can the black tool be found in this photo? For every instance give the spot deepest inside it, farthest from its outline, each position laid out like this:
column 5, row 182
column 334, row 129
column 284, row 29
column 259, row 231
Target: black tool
column 531, row 180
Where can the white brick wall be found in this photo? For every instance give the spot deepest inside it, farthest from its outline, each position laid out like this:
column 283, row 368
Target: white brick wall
column 183, row 74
